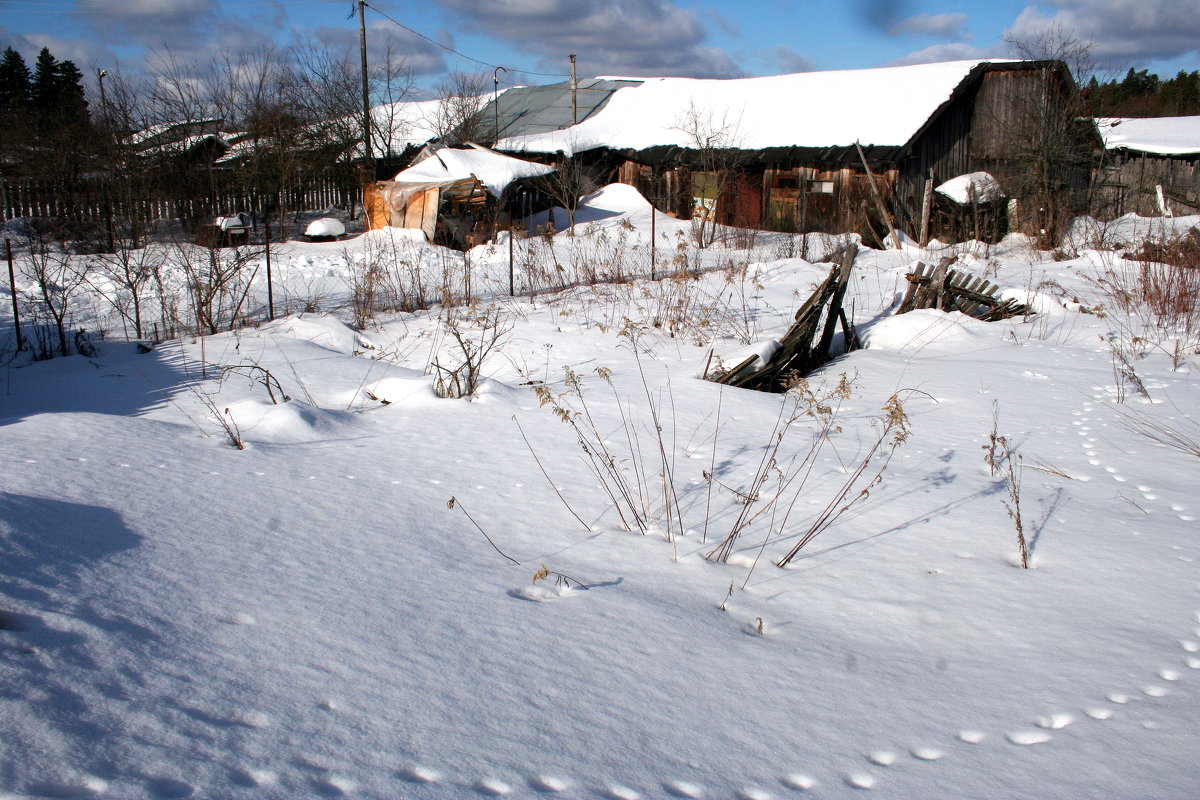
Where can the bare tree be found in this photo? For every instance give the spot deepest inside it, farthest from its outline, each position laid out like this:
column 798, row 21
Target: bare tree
column 459, row 116
column 56, row 276
column 1046, row 140
column 713, row 137
column 568, row 183
column 129, row 272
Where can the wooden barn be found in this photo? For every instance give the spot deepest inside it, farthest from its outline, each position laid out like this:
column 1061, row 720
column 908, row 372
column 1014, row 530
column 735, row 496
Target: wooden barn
column 1151, row 167
column 839, row 150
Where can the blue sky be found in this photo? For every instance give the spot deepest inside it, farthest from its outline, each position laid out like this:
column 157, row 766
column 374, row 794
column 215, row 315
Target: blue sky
column 616, row 37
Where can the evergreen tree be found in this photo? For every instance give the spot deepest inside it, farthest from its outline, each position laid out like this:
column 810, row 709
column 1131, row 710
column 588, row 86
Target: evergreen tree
column 44, row 88
column 14, row 82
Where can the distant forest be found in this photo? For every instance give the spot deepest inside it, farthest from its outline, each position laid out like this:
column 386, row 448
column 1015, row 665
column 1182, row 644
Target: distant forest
column 1141, row 94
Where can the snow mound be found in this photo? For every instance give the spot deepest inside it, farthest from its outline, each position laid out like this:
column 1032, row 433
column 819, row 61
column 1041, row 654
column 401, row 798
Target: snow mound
column 927, row 329
column 325, row 226
column 262, row 421
column 323, row 330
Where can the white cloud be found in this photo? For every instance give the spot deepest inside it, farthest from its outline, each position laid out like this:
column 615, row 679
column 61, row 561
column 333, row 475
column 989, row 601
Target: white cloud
column 952, row 51
column 791, row 60
column 624, row 37
column 942, row 26
column 1123, row 32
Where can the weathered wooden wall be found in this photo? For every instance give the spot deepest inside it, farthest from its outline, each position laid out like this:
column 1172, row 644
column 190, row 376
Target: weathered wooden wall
column 1130, row 181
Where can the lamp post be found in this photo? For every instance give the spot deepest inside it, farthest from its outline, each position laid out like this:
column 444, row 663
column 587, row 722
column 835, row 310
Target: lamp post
column 496, row 104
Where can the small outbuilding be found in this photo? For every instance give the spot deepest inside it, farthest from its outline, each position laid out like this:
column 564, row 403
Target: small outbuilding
column 1151, row 167
column 454, row 195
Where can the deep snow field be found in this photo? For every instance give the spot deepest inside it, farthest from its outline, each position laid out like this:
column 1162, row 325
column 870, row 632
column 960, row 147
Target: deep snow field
column 308, row 616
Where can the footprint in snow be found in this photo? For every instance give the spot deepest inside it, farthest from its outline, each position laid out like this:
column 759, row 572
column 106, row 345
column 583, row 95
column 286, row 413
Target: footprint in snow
column 1055, row 722
column 927, row 753
column 493, row 787
column 1118, row 698
column 1099, row 713
column 683, row 789
column 753, row 793
column 419, row 774
column 971, row 737
column 88, row 786
column 860, row 780
column 169, row 787
column 335, row 786
column 884, row 758
column 246, row 776
column 539, row 593
column 549, row 783
column 1154, row 691
column 1168, row 674
column 1028, row 737
column 619, row 792
column 798, row 780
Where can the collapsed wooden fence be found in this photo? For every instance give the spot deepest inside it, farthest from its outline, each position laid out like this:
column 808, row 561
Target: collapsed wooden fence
column 950, row 290
column 797, row 355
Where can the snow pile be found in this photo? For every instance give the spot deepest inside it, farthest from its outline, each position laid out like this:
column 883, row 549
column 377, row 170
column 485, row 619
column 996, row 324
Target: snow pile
column 890, row 106
column 325, row 226
column 1164, row 136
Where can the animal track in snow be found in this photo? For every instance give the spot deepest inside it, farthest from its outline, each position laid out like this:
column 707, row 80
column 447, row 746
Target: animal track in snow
column 549, row 783
column 247, row 776
column 336, row 786
column 1027, row 737
column 861, row 780
column 169, row 787
column 683, row 789
column 88, row 786
column 493, row 787
column 753, row 793
column 1055, row 722
column 798, row 780
column 419, row 774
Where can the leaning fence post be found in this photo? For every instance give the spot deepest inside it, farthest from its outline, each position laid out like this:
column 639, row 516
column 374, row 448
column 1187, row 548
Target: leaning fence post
column 270, row 287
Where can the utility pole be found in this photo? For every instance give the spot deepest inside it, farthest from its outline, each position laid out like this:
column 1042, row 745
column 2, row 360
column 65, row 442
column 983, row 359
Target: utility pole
column 574, row 93
column 366, row 90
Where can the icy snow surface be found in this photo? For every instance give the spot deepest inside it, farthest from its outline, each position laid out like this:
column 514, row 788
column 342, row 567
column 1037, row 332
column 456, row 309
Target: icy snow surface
column 307, row 617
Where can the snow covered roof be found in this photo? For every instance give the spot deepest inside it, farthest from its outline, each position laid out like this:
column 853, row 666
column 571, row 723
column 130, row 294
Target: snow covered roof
column 886, row 107
column 1166, row 136
column 492, row 169
column 529, row 110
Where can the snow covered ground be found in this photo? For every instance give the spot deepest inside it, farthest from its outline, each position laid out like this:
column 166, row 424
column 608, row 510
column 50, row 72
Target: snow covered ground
column 308, row 616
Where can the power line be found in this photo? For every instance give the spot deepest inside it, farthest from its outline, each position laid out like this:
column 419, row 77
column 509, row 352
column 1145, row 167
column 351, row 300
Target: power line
column 464, row 55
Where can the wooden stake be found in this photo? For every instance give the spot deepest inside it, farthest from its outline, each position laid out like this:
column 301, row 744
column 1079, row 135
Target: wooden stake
column 12, row 285
column 883, row 212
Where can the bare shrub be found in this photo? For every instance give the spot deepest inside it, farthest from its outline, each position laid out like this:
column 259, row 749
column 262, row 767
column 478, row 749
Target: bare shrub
column 475, row 335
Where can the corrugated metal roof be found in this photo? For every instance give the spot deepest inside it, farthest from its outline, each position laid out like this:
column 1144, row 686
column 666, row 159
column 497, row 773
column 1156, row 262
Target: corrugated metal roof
column 528, row 110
